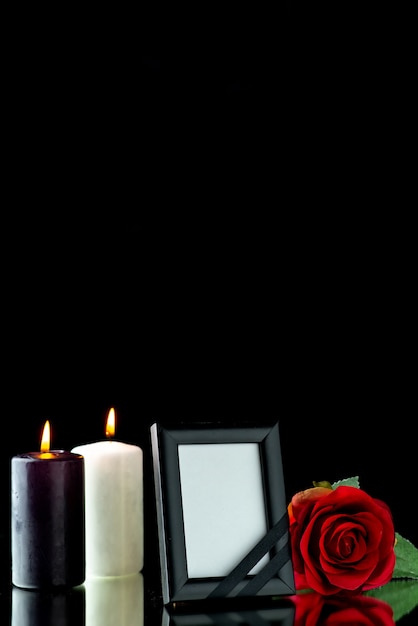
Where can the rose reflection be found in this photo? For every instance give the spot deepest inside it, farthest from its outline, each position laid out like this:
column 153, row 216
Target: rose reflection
column 313, row 609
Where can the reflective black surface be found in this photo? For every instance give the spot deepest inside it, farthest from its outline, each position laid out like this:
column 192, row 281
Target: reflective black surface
column 137, row 601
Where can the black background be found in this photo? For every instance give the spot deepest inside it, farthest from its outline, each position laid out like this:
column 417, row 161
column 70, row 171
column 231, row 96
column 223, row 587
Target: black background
column 206, row 217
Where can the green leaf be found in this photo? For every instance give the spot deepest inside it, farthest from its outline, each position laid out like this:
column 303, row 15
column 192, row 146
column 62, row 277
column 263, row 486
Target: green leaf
column 322, row 483
column 402, row 595
column 406, row 553
column 347, row 482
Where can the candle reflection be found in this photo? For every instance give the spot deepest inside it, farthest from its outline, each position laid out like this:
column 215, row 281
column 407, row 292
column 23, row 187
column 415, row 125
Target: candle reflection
column 115, row 600
column 42, row 608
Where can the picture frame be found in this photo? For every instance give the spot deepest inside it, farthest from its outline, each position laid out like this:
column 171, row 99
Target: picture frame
column 223, row 528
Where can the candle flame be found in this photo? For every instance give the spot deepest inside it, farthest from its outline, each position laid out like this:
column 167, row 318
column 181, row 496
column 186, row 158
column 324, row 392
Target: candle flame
column 110, row 424
column 46, row 437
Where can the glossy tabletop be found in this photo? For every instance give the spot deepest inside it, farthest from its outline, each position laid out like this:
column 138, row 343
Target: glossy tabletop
column 137, row 601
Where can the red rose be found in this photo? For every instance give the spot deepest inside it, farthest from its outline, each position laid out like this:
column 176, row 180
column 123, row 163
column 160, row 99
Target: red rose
column 313, row 609
column 342, row 540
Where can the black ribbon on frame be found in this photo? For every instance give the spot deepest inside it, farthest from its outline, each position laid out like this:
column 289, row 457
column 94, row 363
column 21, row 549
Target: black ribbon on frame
column 239, row 572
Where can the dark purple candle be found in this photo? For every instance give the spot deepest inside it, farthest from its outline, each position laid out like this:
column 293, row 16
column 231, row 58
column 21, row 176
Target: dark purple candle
column 48, row 519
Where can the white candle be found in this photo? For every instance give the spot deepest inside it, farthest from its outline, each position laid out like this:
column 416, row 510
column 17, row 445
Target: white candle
column 113, row 506
column 115, row 601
